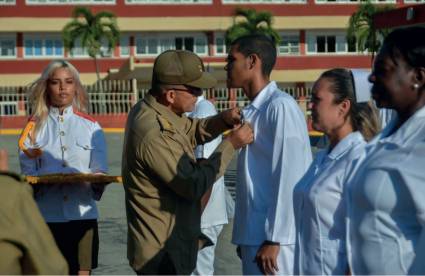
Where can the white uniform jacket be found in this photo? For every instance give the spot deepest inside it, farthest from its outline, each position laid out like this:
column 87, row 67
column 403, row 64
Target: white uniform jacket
column 386, row 202
column 320, row 209
column 70, row 143
column 215, row 211
column 269, row 168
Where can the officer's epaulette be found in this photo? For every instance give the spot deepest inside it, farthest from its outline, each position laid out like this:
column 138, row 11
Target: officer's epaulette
column 15, row 176
column 165, row 124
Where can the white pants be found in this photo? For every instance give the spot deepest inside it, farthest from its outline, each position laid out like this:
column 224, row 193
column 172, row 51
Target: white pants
column 205, row 261
column 285, row 260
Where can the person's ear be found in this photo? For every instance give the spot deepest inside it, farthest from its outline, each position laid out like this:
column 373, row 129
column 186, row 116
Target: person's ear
column 253, row 60
column 419, row 77
column 170, row 96
column 344, row 107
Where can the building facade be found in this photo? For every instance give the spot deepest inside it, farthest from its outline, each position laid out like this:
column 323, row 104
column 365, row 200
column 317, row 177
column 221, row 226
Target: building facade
column 312, row 31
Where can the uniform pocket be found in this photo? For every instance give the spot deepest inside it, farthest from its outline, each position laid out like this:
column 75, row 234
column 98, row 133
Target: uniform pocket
column 84, row 144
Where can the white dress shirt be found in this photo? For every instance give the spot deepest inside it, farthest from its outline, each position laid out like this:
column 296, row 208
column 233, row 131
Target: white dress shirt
column 215, row 212
column 386, row 202
column 269, row 168
column 320, row 210
column 71, row 143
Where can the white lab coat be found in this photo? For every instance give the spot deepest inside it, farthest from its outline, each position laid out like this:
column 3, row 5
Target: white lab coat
column 71, row 143
column 386, row 202
column 320, row 210
column 215, row 213
column 269, row 168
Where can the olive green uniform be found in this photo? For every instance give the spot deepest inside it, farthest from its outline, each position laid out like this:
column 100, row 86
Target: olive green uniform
column 164, row 184
column 26, row 244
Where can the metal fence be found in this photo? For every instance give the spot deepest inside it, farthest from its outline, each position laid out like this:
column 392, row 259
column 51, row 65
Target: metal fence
column 119, row 96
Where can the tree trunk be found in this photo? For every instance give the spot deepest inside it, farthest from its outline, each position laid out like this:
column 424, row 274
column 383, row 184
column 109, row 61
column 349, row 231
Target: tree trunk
column 102, row 103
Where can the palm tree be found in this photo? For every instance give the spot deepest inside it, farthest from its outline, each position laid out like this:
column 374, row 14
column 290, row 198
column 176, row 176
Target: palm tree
column 91, row 29
column 362, row 30
column 253, row 22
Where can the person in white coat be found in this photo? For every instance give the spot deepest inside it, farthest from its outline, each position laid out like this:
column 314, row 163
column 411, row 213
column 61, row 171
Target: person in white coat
column 386, row 206
column 342, row 109
column 269, row 168
column 61, row 138
column 214, row 214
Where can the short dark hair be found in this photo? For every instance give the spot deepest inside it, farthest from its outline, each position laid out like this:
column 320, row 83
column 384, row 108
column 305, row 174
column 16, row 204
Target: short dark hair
column 364, row 116
column 407, row 42
column 260, row 45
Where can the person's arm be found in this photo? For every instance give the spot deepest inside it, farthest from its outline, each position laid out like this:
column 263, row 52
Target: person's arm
column 98, row 159
column 204, row 130
column 99, row 156
column 189, row 179
column 289, row 163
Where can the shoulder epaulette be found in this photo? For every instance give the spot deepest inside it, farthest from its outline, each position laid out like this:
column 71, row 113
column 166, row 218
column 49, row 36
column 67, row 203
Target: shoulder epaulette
column 85, row 116
column 165, row 124
column 26, row 133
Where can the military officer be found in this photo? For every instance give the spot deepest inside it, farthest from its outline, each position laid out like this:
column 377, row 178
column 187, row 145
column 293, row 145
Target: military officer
column 162, row 180
column 26, row 244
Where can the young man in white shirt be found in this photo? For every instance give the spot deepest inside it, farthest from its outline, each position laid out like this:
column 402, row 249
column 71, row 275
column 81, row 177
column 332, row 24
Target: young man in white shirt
column 269, row 168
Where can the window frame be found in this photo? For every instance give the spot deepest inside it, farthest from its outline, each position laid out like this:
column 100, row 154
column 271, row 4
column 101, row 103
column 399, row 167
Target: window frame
column 168, row 2
column 43, row 38
column 161, row 37
column 9, row 38
column 69, row 2
column 289, row 34
column 337, row 34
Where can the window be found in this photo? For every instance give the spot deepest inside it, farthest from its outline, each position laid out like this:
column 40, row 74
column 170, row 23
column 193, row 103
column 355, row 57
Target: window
column 168, row 2
column 289, row 45
column 352, row 1
column 220, row 45
column 124, row 46
column 7, row 2
column 43, row 46
column 105, row 51
column 78, row 50
column 329, row 44
column 263, row 1
column 8, row 108
column 156, row 44
column 69, row 2
column 7, row 47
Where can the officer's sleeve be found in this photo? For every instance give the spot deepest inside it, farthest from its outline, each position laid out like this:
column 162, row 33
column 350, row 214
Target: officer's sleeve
column 166, row 158
column 201, row 131
column 26, row 244
column 99, row 156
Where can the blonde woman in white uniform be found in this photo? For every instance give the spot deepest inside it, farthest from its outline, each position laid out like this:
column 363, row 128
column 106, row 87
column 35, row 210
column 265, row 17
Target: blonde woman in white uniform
column 61, row 138
column 342, row 110
column 387, row 192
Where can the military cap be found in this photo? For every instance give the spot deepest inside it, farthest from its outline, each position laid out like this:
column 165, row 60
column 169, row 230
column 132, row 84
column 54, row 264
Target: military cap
column 179, row 67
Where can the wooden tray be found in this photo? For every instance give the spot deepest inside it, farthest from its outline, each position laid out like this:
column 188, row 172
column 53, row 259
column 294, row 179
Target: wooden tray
column 72, row 178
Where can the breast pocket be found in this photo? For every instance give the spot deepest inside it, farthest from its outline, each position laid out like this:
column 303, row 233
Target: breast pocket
column 83, row 150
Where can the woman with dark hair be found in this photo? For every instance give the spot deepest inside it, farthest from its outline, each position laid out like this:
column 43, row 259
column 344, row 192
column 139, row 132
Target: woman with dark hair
column 342, row 110
column 386, row 193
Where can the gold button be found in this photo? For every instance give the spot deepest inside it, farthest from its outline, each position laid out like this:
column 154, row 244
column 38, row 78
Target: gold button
column 64, row 164
column 63, row 148
column 61, row 119
column 62, row 133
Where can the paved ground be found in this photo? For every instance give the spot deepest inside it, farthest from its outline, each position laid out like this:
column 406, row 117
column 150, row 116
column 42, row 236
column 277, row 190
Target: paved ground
column 112, row 222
